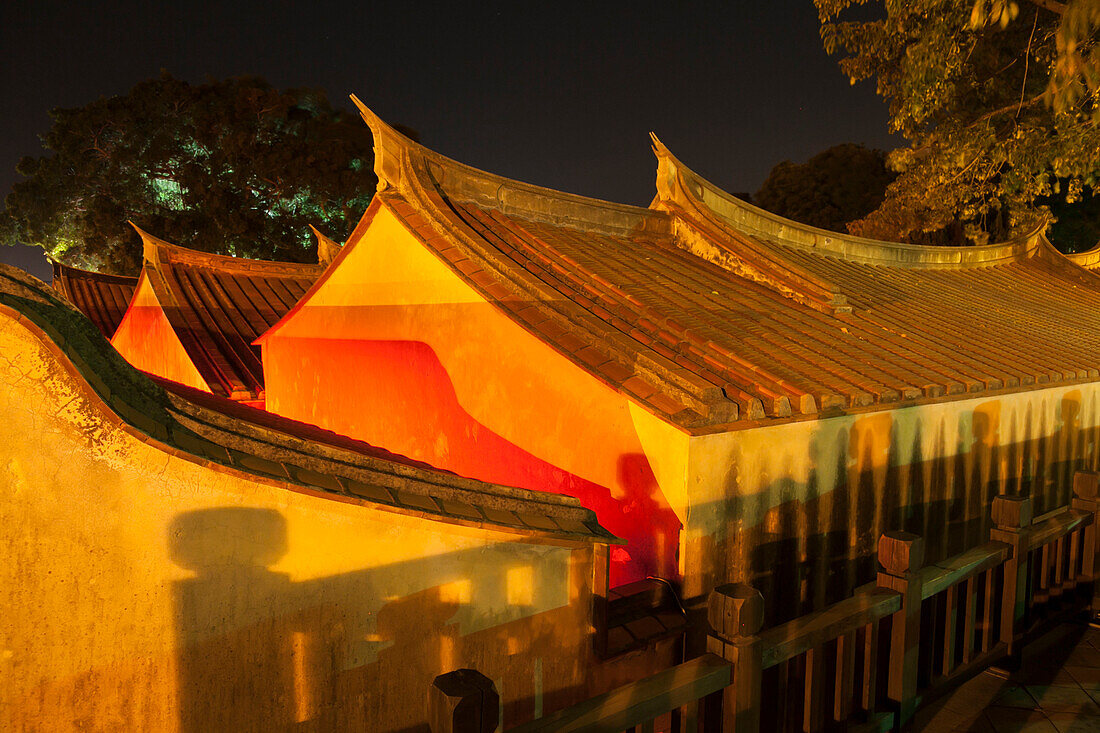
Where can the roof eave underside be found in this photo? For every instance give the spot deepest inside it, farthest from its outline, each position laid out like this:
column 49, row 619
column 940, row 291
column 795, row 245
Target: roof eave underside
column 103, row 298
column 218, row 306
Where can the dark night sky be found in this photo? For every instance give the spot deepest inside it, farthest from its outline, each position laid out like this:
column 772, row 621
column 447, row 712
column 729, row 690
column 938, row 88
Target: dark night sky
column 560, row 95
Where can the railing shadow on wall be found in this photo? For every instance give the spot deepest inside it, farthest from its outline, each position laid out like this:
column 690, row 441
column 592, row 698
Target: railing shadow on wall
column 866, row 663
column 807, row 539
column 255, row 644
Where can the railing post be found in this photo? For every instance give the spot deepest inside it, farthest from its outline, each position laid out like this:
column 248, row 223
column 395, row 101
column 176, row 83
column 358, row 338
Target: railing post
column 901, row 555
column 736, row 613
column 463, row 701
column 1012, row 520
column 1086, row 498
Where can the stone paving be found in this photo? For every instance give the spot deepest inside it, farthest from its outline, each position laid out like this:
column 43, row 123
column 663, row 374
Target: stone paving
column 1056, row 690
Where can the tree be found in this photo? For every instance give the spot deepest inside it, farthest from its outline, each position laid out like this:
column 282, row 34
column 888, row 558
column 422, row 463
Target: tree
column 233, row 166
column 840, row 185
column 997, row 99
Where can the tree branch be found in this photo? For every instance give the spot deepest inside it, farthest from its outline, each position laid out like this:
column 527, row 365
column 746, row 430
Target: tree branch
column 1009, row 108
column 1027, row 64
column 1052, row 5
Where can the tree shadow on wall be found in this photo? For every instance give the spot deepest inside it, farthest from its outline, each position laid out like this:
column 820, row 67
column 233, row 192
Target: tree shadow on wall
column 229, row 680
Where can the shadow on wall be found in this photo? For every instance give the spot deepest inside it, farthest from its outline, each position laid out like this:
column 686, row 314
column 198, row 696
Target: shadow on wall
column 409, row 388
column 806, row 545
column 357, row 651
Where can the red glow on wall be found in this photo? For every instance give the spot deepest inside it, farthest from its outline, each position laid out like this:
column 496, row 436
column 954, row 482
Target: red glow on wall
column 398, row 395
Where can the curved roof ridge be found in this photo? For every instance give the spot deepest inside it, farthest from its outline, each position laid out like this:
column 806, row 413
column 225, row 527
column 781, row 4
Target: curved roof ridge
column 327, row 247
column 1089, row 259
column 158, row 252
column 679, row 185
column 63, row 270
column 395, row 154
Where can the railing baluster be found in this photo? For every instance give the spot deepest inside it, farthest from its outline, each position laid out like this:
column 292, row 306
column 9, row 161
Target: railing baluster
column 970, row 608
column 832, row 656
column 1073, row 569
column 988, row 622
column 1059, row 567
column 949, row 630
column 845, row 676
column 813, row 710
column 689, row 718
column 782, row 696
column 1042, row 595
column 710, row 710
column 869, row 649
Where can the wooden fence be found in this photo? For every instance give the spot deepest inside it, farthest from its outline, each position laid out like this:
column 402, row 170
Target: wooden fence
column 863, row 664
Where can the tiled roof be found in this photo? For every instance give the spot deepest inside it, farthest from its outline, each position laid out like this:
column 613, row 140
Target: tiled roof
column 219, row 305
column 641, row 613
column 227, row 436
column 709, row 311
column 102, row 298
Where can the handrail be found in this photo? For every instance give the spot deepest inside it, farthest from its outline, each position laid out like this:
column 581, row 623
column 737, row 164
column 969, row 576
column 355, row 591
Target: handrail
column 1057, row 526
column 796, row 637
column 946, row 573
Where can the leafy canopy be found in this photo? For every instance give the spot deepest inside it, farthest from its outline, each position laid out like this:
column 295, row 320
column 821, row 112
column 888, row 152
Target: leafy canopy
column 997, row 99
column 233, row 167
column 837, row 186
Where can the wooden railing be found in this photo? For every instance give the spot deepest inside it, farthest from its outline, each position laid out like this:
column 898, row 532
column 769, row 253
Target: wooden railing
column 863, row 664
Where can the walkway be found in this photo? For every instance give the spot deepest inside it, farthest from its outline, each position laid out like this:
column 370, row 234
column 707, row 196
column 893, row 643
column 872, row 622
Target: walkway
column 1056, row 690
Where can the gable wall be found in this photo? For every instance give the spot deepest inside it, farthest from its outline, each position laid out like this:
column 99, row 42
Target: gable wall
column 143, row 590
column 395, row 349
column 147, row 340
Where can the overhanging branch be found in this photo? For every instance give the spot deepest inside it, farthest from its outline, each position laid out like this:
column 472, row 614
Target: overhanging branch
column 1051, row 5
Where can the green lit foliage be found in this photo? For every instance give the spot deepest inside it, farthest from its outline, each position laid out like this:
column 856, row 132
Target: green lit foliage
column 233, row 167
column 997, row 99
column 835, row 187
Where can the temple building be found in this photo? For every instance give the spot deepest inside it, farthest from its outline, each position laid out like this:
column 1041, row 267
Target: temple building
column 504, row 428
column 194, row 316
column 739, row 396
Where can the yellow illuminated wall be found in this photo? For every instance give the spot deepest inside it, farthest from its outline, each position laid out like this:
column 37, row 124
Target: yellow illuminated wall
column 797, row 509
column 144, row 591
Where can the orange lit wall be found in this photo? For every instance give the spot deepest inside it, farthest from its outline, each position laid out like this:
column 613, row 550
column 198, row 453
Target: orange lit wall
column 394, row 349
column 144, row 589
column 146, row 339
